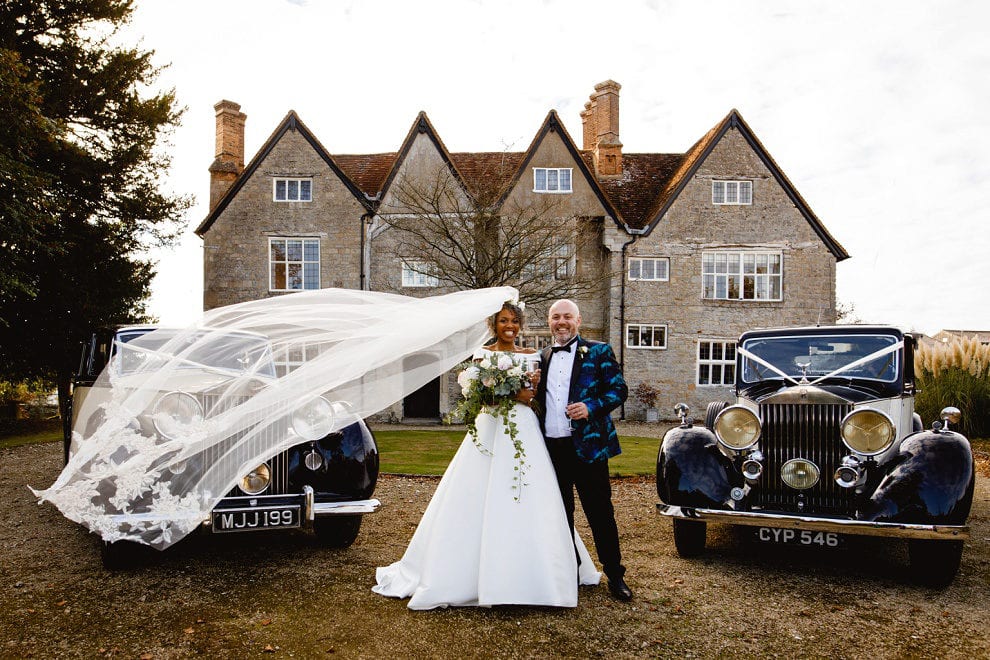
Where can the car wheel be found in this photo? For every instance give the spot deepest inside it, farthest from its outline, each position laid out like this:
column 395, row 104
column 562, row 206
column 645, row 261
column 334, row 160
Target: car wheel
column 337, row 531
column 689, row 537
column 714, row 408
column 934, row 563
column 121, row 554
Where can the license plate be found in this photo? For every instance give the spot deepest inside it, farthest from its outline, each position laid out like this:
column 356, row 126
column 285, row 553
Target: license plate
column 807, row 537
column 255, row 518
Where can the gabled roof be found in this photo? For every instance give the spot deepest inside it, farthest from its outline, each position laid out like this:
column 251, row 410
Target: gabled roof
column 421, row 125
column 697, row 154
column 552, row 124
column 291, row 122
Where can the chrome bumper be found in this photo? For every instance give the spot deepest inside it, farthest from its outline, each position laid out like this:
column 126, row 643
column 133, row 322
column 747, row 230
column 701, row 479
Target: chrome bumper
column 859, row 527
column 355, row 507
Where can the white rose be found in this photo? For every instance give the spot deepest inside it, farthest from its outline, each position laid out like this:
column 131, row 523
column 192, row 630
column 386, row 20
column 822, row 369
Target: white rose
column 515, row 371
column 466, row 377
column 505, row 363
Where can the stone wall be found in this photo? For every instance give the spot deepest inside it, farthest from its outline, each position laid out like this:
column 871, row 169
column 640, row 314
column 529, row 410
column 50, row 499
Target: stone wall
column 235, row 262
column 692, row 225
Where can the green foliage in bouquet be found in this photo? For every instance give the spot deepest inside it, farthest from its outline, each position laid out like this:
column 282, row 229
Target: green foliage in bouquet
column 490, row 386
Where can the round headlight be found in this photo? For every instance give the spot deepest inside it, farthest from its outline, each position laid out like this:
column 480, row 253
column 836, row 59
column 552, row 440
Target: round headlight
column 799, row 473
column 175, row 413
column 867, row 432
column 313, row 419
column 737, row 428
column 257, row 480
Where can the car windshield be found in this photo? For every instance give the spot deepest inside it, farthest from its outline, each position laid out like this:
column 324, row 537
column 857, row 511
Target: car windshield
column 231, row 352
column 816, row 357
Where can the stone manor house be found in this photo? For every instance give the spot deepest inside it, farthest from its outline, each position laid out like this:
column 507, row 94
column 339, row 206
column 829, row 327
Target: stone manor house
column 702, row 245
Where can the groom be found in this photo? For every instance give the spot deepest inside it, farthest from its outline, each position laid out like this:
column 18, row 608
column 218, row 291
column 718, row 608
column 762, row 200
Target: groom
column 581, row 385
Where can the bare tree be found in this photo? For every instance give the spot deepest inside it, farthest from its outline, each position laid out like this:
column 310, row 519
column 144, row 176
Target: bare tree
column 467, row 239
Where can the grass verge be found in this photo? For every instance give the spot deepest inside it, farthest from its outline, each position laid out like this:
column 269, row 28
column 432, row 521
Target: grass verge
column 30, row 438
column 428, row 452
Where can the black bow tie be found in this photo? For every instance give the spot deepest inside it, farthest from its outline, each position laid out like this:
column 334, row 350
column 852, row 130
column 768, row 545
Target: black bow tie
column 566, row 348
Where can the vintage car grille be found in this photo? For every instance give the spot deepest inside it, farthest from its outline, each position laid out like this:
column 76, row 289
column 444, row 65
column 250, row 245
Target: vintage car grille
column 279, row 464
column 809, row 431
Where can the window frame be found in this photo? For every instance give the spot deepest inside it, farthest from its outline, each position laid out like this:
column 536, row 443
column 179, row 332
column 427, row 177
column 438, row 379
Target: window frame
column 288, row 180
column 656, row 260
column 740, row 277
column 737, row 185
column 410, row 265
column 654, row 327
column 303, row 261
column 546, row 180
column 710, row 362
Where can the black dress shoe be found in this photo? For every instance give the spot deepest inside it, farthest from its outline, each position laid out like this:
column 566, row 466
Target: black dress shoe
column 619, row 589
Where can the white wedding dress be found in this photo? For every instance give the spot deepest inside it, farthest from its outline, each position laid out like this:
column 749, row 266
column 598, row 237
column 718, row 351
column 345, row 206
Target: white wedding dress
column 478, row 545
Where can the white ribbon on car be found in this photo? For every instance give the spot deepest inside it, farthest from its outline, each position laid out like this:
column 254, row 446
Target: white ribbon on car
column 852, row 365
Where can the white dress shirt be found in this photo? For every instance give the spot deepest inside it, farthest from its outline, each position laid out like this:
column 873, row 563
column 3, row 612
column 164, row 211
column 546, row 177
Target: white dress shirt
column 558, row 377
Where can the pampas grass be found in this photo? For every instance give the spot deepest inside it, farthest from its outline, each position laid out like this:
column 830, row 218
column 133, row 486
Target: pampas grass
column 955, row 373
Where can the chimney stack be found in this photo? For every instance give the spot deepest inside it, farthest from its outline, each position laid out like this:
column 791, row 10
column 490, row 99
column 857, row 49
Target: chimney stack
column 600, row 121
column 229, row 161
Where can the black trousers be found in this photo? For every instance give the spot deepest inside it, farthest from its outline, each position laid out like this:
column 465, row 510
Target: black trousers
column 595, row 491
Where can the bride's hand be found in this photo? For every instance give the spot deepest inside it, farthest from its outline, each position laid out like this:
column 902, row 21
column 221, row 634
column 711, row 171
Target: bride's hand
column 525, row 395
column 534, row 378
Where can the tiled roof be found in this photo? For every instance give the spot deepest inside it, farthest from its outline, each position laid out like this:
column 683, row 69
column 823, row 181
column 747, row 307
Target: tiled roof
column 634, row 193
column 489, row 170
column 638, row 198
column 367, row 171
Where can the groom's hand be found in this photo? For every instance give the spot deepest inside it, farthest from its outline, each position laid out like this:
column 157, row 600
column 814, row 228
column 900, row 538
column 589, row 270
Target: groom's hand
column 577, row 410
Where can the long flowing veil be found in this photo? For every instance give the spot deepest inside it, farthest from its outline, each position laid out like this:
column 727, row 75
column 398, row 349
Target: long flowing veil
column 304, row 364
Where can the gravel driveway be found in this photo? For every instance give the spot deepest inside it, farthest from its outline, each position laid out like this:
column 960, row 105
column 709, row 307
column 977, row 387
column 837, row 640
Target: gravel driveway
column 280, row 594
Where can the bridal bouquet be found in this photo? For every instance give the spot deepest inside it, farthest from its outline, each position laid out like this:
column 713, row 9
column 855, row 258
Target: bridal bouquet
column 490, row 386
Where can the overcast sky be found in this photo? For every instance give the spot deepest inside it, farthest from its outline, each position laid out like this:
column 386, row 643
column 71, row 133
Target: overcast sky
column 876, row 111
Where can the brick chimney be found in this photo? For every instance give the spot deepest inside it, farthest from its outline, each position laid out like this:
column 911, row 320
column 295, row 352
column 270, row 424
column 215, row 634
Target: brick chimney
column 600, row 123
column 229, row 161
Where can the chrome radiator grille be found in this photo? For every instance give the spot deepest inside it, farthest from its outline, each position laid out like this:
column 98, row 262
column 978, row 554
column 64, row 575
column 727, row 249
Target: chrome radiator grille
column 809, row 431
column 268, row 435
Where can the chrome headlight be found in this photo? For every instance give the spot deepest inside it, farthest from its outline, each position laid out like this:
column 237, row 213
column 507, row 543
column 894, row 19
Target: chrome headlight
column 867, row 431
column 799, row 473
column 175, row 413
column 737, row 428
column 257, row 480
column 313, row 419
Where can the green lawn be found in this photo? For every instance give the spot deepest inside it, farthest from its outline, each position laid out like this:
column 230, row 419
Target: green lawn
column 429, row 452
column 30, row 439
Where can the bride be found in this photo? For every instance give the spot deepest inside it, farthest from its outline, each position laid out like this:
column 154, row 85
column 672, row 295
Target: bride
column 484, row 540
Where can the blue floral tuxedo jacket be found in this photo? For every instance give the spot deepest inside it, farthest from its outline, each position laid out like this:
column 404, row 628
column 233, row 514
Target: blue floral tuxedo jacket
column 597, row 382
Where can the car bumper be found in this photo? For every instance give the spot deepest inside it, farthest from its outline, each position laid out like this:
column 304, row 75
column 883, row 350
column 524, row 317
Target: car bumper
column 857, row 527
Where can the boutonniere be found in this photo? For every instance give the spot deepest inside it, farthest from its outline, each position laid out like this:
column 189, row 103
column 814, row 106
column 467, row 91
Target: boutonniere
column 582, row 351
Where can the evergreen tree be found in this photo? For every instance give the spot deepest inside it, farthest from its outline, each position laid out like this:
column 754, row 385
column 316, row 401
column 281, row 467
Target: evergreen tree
column 81, row 169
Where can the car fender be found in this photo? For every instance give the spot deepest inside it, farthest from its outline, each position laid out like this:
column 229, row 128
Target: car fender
column 349, row 468
column 931, row 481
column 691, row 471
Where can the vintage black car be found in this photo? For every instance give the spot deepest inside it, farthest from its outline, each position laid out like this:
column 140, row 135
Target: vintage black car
column 822, row 442
column 324, row 482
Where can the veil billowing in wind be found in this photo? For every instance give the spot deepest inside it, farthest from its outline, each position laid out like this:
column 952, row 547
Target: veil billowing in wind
column 177, row 417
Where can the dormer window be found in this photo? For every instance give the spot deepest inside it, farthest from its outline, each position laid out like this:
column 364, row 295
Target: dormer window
column 292, row 190
column 732, row 193
column 552, row 179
